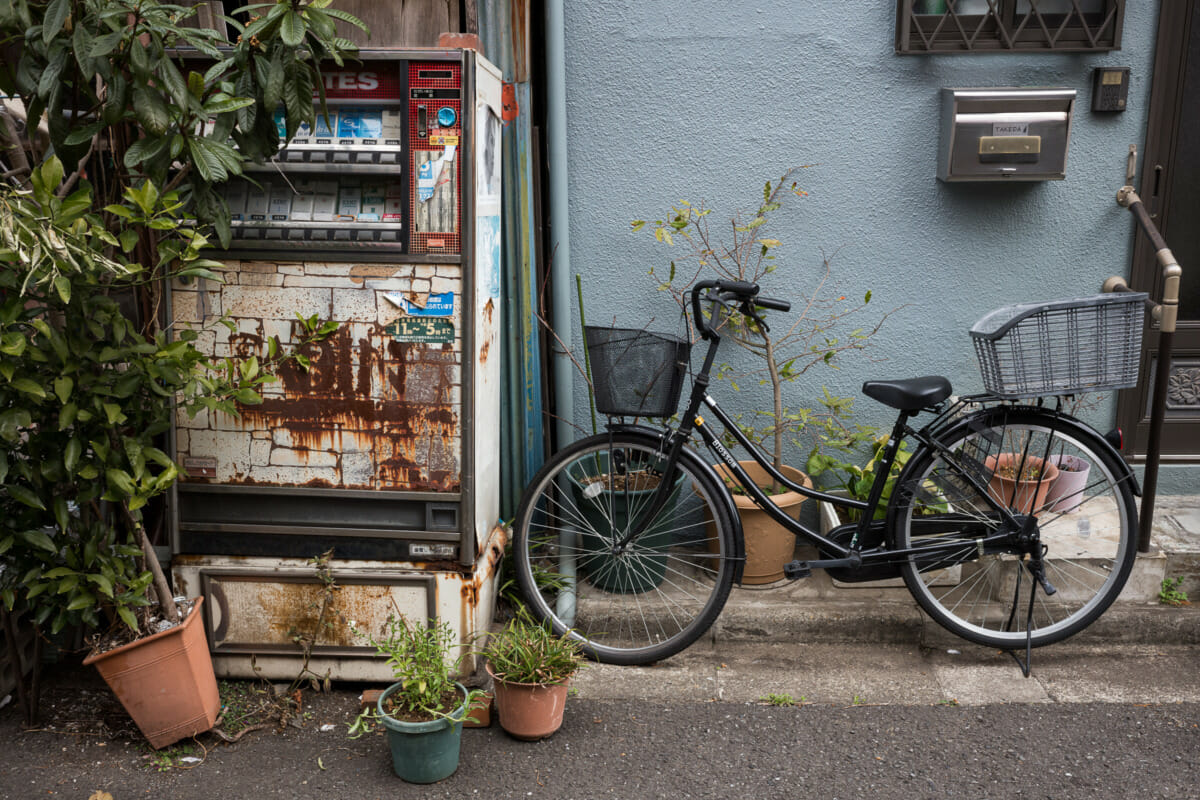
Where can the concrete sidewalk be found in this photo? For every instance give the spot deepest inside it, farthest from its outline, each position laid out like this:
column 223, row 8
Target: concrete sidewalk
column 820, row 610
column 841, row 644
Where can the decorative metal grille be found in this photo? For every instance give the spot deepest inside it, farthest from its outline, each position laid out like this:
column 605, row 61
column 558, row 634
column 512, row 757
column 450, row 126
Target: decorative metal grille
column 1008, row 26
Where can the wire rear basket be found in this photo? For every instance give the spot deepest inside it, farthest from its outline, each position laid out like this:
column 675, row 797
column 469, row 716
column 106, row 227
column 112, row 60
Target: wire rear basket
column 636, row 373
column 1086, row 344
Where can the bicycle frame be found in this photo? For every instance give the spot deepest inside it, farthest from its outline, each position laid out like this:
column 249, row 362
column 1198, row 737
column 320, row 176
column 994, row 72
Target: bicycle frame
column 851, row 555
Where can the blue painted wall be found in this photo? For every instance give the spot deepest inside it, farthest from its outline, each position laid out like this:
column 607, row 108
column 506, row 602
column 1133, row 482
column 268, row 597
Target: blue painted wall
column 707, row 100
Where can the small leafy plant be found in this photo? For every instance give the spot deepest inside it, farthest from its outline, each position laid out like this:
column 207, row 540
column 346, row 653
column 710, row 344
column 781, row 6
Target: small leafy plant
column 525, row 651
column 419, row 656
column 1169, row 594
column 819, row 332
column 780, row 700
column 856, row 480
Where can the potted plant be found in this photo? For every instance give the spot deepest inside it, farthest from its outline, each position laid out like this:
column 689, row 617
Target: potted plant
column 607, row 516
column 1067, row 492
column 423, row 710
column 1021, row 482
column 742, row 250
column 531, row 669
column 115, row 194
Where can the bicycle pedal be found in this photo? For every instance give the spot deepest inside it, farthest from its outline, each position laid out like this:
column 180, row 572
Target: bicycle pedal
column 794, row 570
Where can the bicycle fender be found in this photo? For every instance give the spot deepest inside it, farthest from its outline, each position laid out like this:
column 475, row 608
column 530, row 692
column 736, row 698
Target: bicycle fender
column 726, row 499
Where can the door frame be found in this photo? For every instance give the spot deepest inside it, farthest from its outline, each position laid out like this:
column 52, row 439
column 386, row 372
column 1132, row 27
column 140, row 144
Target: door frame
column 1157, row 163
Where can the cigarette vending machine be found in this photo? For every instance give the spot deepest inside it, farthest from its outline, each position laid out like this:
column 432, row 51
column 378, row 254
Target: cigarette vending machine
column 384, row 217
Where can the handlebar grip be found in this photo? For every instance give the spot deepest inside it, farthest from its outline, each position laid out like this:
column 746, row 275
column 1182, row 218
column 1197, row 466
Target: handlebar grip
column 773, row 304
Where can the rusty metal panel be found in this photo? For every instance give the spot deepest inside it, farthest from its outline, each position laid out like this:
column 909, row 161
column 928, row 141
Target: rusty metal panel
column 261, row 612
column 254, row 606
column 378, row 409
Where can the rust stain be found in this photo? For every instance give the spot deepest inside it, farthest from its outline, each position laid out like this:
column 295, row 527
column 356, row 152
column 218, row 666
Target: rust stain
column 358, row 397
column 361, row 273
column 291, row 610
column 483, row 353
column 489, row 309
column 508, row 101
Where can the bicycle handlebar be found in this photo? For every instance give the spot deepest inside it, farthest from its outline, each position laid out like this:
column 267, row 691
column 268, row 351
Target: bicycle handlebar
column 744, row 292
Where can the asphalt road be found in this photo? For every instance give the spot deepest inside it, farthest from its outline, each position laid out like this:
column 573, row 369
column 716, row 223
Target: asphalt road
column 637, row 749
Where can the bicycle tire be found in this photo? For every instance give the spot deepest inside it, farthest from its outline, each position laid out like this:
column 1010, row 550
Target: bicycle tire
column 652, row 600
column 1089, row 534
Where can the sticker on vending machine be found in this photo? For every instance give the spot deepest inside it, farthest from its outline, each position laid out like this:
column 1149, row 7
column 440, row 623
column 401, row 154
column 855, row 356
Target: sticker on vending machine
column 323, row 132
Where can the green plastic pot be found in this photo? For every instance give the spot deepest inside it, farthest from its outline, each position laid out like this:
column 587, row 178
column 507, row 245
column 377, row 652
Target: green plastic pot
column 424, row 752
column 632, row 573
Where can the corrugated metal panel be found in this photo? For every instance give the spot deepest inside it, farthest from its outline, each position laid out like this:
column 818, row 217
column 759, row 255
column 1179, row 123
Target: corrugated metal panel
column 504, row 30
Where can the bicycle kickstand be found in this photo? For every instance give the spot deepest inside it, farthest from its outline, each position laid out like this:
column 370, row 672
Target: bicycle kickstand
column 1038, row 570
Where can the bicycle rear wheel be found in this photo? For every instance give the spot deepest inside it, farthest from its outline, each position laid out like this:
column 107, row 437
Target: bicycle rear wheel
column 643, row 602
column 1086, row 522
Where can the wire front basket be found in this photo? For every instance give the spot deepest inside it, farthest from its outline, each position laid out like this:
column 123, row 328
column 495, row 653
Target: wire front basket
column 1087, row 344
column 636, row 373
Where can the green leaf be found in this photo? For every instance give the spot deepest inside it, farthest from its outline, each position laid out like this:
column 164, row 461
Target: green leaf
column 113, row 412
column 247, row 397
column 104, row 583
column 291, row 30
column 62, row 285
column 29, row 387
column 120, row 481
column 81, row 601
column 62, row 388
column 38, row 539
column 71, row 454
column 150, row 110
column 128, row 618
column 56, row 17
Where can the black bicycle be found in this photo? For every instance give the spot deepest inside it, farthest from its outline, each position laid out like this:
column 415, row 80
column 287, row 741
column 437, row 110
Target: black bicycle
column 630, row 540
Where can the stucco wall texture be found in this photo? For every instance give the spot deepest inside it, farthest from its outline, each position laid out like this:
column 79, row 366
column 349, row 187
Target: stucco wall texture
column 707, row 101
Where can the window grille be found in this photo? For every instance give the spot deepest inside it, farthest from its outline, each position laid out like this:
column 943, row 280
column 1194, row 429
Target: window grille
column 1008, row 26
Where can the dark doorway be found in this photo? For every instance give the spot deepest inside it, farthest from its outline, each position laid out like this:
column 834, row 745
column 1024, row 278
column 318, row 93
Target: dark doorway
column 1170, row 189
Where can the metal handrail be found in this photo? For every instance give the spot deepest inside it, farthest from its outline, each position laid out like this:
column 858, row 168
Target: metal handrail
column 1167, row 314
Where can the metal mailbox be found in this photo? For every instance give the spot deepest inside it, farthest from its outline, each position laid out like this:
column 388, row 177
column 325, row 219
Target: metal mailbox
column 1005, row 134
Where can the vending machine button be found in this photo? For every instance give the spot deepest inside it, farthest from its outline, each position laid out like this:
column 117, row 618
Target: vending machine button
column 341, row 157
column 274, row 233
column 341, row 235
column 388, row 236
column 389, row 158
column 296, row 233
column 293, row 155
column 251, row 233
column 318, row 235
column 361, row 157
column 446, row 116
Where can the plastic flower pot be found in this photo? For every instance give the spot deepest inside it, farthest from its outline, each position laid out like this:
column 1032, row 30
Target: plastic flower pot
column 1068, row 491
column 423, row 752
column 165, row 681
column 607, row 518
column 529, row 711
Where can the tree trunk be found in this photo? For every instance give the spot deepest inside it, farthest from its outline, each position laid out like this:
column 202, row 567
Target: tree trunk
column 165, row 598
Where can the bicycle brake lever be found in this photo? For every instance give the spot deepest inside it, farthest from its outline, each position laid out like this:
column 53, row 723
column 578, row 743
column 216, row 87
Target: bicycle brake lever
column 748, row 310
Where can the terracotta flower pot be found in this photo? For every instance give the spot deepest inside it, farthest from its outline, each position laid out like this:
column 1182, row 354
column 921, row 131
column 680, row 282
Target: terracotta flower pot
column 165, row 681
column 1025, row 496
column 530, row 711
column 768, row 545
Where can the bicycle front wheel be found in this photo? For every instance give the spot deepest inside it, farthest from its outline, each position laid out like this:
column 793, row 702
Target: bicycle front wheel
column 632, row 603
column 1038, row 464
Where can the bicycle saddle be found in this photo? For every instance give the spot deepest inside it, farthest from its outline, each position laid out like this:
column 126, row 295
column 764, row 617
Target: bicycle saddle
column 911, row 394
